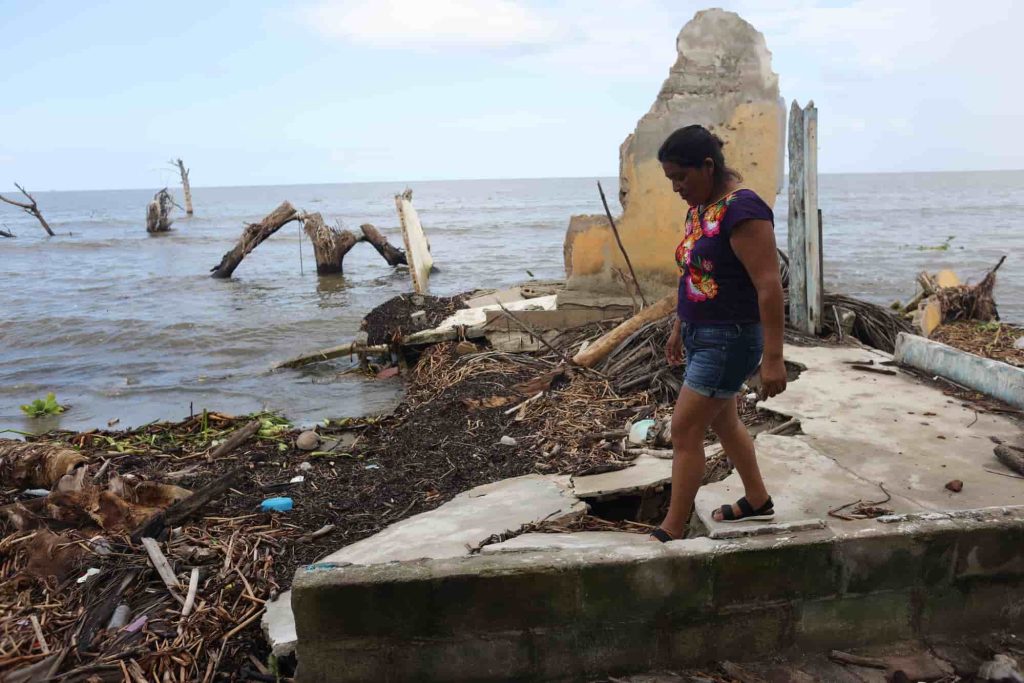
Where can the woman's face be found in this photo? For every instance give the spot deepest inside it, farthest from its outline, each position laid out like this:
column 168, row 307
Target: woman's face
column 694, row 185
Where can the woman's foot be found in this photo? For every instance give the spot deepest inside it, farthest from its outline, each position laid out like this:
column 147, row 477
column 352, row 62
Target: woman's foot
column 663, row 535
column 743, row 511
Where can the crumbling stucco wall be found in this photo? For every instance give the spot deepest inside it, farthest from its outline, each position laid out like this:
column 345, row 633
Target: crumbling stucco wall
column 723, row 80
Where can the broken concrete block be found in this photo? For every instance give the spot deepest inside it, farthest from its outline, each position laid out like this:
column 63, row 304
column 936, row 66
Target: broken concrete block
column 723, row 80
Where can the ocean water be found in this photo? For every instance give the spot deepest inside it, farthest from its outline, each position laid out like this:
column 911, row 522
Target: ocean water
column 125, row 325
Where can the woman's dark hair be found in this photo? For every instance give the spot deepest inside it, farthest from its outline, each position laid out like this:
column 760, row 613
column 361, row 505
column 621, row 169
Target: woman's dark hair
column 690, row 146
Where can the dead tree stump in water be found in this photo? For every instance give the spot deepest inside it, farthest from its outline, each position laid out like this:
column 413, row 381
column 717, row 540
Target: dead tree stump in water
column 392, row 254
column 254, row 235
column 158, row 212
column 330, row 245
column 185, row 186
column 32, row 209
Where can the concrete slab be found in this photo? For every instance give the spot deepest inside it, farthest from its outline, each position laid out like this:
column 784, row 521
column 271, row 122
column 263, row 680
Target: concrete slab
column 646, row 471
column 449, row 531
column 896, row 430
column 804, row 483
column 502, row 296
column 417, row 248
column 469, row 322
column 580, row 540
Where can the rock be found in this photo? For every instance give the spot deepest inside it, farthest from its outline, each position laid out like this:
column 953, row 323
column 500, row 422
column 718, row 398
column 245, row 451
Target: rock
column 464, row 348
column 307, row 441
column 1001, row 669
column 723, row 80
column 1019, row 344
column 305, row 466
column 507, row 441
column 956, row 486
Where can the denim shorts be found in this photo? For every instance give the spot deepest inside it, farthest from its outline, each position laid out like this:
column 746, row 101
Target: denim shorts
column 719, row 358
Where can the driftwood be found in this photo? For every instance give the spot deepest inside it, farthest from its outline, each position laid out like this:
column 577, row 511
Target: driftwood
column 1011, row 456
column 392, row 254
column 32, row 209
column 157, row 524
column 158, row 212
column 254, row 235
column 350, row 349
column 235, row 440
column 330, row 245
column 595, row 352
column 185, row 186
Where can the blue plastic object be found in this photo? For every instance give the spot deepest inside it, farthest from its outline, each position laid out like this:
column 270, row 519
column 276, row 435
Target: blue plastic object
column 276, row 505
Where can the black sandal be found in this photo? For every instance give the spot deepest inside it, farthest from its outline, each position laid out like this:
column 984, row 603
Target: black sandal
column 747, row 512
column 662, row 535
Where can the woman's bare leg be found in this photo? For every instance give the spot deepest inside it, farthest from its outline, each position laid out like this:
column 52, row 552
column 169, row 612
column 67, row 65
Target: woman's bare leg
column 690, row 420
column 739, row 447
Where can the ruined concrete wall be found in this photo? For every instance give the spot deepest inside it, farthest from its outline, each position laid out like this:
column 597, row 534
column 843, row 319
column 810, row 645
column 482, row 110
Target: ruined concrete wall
column 722, row 79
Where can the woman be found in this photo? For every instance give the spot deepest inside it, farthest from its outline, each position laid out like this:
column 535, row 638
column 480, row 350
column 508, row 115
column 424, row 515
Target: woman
column 730, row 312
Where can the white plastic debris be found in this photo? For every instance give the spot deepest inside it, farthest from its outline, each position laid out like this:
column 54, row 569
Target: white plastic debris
column 638, row 432
column 89, row 573
column 508, row 441
column 297, row 480
column 306, row 466
column 36, row 493
column 1019, row 344
column 120, row 617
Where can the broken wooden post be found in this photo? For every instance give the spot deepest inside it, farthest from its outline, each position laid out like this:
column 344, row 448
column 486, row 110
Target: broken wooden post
column 392, row 254
column 32, row 209
column 158, row 212
column 806, row 286
column 186, row 188
column 417, row 248
column 252, row 236
column 330, row 245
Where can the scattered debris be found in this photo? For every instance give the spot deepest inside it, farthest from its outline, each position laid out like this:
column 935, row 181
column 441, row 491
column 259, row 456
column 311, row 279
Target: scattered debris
column 393, row 319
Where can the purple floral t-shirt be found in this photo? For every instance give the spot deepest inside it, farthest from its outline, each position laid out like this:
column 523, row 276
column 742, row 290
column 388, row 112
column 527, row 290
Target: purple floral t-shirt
column 714, row 287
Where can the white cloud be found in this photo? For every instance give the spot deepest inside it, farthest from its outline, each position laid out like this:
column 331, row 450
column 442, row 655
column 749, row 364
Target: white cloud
column 432, row 24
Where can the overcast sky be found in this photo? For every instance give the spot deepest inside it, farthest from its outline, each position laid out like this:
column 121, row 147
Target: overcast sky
column 100, row 95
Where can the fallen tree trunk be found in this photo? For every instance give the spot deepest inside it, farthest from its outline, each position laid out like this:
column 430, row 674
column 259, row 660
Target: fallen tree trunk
column 254, row 235
column 593, row 354
column 1011, row 456
column 330, row 245
column 158, row 212
column 31, row 209
column 392, row 254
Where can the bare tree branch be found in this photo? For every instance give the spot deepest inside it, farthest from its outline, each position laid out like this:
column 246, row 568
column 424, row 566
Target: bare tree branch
column 31, row 209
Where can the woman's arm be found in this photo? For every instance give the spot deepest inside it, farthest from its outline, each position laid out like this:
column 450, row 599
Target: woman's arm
column 753, row 242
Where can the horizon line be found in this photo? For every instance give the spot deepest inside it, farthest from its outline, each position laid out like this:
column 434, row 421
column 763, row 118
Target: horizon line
column 491, row 179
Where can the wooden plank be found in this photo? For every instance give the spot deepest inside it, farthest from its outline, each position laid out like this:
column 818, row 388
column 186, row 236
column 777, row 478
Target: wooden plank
column 417, row 248
column 797, row 224
column 814, row 282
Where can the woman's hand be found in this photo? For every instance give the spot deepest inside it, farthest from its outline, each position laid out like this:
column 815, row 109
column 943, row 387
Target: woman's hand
column 773, row 377
column 674, row 348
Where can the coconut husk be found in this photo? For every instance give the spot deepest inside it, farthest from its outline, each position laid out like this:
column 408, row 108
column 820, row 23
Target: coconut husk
column 28, row 465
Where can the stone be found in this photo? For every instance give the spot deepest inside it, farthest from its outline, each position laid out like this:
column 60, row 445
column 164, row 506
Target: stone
column 956, row 486
column 508, row 441
column 723, row 79
column 307, row 441
column 279, row 626
column 1001, row 668
column 305, row 466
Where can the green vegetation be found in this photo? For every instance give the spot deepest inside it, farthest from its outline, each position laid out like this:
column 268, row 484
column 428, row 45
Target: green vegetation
column 941, row 247
column 42, row 407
